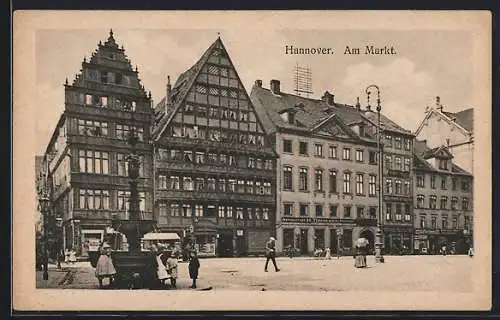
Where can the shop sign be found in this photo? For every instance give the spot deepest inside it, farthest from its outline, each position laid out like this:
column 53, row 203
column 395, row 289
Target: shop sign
column 312, row 220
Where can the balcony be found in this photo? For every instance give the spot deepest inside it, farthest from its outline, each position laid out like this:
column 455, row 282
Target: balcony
column 179, row 142
column 199, row 195
column 213, row 169
column 365, row 222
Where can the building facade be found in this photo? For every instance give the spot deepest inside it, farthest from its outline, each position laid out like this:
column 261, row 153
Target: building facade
column 87, row 152
column 442, row 202
column 214, row 168
column 327, row 171
column 455, row 130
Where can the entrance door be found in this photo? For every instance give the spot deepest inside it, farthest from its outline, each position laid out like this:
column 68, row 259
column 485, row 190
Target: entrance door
column 368, row 235
column 303, row 241
column 225, row 245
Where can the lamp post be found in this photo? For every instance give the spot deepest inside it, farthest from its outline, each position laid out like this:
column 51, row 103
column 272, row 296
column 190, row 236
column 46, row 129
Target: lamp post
column 378, row 237
column 45, row 208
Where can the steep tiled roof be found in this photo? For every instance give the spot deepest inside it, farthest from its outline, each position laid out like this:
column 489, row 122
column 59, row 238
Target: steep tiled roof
column 387, row 123
column 422, row 152
column 464, row 118
column 180, row 89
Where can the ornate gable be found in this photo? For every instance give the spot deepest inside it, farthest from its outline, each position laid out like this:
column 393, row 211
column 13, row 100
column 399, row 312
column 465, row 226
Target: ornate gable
column 332, row 126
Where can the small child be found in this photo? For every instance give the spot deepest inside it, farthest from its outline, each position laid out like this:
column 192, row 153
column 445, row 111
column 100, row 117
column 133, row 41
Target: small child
column 172, row 269
column 194, row 265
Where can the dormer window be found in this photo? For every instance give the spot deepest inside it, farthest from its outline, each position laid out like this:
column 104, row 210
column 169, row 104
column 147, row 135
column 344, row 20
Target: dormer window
column 443, row 164
column 291, row 118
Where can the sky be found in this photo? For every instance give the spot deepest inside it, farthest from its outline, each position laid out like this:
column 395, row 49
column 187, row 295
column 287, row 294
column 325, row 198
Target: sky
column 427, row 63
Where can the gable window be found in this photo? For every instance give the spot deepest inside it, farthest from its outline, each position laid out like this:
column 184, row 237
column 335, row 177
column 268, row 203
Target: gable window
column 443, row 164
column 346, row 155
column 332, row 152
column 359, row 155
column 287, row 146
column 303, row 148
column 287, row 178
column 319, row 150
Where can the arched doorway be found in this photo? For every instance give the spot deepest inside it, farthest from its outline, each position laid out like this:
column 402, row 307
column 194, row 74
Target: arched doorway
column 368, row 234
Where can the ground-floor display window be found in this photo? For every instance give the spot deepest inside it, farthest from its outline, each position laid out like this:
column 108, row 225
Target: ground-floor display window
column 205, row 245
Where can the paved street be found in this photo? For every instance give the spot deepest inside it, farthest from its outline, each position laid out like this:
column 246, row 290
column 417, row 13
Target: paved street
column 399, row 273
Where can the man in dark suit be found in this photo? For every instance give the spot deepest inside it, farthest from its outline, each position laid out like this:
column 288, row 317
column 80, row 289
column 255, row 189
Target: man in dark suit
column 271, row 253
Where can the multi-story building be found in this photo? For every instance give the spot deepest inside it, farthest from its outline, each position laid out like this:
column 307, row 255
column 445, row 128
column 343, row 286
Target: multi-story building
column 327, row 170
column 39, row 183
column 397, row 185
column 443, row 201
column 87, row 154
column 455, row 130
column 214, row 167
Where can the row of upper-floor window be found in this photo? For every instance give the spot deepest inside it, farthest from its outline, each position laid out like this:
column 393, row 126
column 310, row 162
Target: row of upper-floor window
column 465, row 183
column 102, row 101
column 397, row 211
column 219, row 113
column 397, row 142
column 443, row 202
column 208, row 210
column 234, row 135
column 222, row 159
column 445, row 222
column 230, row 185
column 99, row 199
column 111, row 77
column 98, row 162
column 102, row 129
column 320, row 181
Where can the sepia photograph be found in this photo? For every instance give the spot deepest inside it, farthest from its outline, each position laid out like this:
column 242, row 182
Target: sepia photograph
column 252, row 160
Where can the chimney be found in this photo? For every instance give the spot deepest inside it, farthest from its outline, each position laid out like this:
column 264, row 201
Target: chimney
column 258, row 83
column 168, row 96
column 358, row 105
column 275, row 86
column 329, row 99
column 439, row 106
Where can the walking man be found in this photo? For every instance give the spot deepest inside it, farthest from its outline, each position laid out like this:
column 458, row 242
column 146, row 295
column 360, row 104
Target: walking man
column 271, row 253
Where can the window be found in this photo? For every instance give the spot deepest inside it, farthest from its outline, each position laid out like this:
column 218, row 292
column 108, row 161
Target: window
column 259, row 188
column 211, row 184
column 303, row 177
column 420, row 201
column 267, row 188
column 347, row 182
column 198, row 210
column 465, row 203
column 304, row 210
column 318, row 150
column 250, row 187
column 303, row 148
column 407, row 212
column 287, row 146
column 433, row 222
column 239, row 213
column 443, row 203
column 92, row 128
column 346, row 155
column 388, row 141
column 433, row 181
column 175, row 183
column 94, row 199
column 93, row 162
column 398, row 187
column 397, row 142
column 318, row 179
column 265, row 212
column 453, row 183
column 388, row 186
column 388, row 212
column 359, row 184
column 200, row 184
column 333, row 181
column 444, row 223
column 347, row 211
column 360, row 212
column 397, row 163
column 319, row 210
column 222, row 185
column 443, row 164
column 162, row 182
column 423, row 221
column 372, row 157
column 407, row 144
column 200, row 157
column 251, row 162
column 454, row 201
column 406, row 190
column 229, row 213
column 222, row 211
column 421, row 181
column 432, row 202
column 123, row 131
column 187, row 183
column 122, row 164
column 288, row 209
column 398, row 212
column 388, row 161
column 162, row 209
column 268, row 165
column 333, row 210
column 372, row 185
column 332, row 152
column 373, row 213
column 406, row 167
column 287, row 178
column 465, row 185
column 359, row 155
column 443, row 183
column 123, row 201
column 454, row 222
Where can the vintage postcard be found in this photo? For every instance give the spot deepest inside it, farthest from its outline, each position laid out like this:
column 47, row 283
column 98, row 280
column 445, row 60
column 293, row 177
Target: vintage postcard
column 252, row 160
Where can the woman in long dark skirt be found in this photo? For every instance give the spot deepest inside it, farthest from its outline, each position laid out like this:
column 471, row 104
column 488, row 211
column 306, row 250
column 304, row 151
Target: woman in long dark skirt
column 194, row 266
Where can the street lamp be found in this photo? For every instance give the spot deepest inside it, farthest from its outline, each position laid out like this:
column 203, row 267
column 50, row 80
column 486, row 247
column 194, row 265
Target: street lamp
column 45, row 209
column 378, row 237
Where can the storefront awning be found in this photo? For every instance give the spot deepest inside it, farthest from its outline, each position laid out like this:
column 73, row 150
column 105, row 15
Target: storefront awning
column 161, row 236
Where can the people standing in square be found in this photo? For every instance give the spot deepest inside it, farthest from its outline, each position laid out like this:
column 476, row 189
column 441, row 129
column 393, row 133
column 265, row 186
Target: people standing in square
column 194, row 266
column 271, row 253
